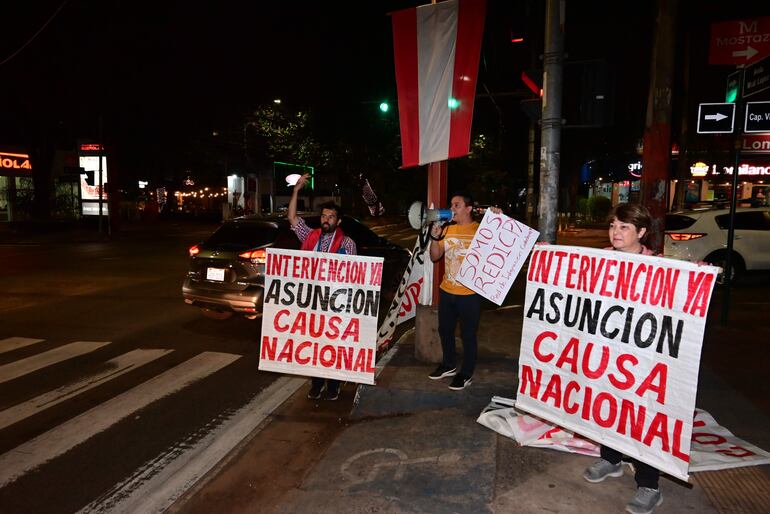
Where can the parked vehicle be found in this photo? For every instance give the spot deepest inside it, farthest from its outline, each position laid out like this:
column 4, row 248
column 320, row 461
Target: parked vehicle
column 227, row 271
column 701, row 235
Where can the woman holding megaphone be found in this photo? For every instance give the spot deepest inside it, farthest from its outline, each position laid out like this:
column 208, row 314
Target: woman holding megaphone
column 456, row 302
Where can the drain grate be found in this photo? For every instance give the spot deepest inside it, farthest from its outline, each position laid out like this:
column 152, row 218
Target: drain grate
column 737, row 491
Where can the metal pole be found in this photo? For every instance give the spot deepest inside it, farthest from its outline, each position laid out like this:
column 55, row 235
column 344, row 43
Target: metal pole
column 550, row 146
column 727, row 273
column 531, row 175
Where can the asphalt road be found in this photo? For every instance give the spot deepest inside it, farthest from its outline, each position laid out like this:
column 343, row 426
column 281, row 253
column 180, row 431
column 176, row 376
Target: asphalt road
column 105, row 374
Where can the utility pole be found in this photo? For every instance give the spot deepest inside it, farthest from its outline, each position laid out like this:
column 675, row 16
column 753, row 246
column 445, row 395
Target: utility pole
column 657, row 132
column 550, row 146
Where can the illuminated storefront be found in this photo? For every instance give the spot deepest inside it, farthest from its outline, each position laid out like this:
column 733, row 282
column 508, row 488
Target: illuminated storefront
column 17, row 191
column 711, row 183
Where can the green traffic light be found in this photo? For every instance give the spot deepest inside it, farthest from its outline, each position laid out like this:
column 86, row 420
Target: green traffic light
column 384, row 107
column 453, row 103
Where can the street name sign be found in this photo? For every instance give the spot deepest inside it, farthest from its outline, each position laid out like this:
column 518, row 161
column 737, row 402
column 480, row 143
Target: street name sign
column 757, row 117
column 716, row 118
column 756, row 78
column 739, row 41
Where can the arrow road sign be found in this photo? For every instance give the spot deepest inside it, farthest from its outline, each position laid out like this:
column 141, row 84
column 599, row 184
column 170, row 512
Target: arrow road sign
column 757, row 117
column 716, row 118
column 739, row 41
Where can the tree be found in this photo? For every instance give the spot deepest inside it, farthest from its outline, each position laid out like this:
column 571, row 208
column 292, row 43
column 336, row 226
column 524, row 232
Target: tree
column 273, row 133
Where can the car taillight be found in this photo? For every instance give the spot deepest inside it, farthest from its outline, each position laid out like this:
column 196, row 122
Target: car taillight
column 255, row 256
column 194, row 250
column 683, row 236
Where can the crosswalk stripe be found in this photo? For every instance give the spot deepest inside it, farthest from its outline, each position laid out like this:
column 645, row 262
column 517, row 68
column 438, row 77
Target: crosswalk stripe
column 13, row 343
column 69, row 434
column 23, row 366
column 115, row 367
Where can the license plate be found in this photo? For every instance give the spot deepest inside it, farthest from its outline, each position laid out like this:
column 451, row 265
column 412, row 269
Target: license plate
column 216, row 274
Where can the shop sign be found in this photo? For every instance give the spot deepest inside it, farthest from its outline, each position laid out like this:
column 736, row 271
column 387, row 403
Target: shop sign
column 759, row 143
column 701, row 169
column 635, row 169
column 14, row 161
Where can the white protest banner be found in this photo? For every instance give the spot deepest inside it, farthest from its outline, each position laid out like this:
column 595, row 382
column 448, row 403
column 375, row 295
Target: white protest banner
column 404, row 304
column 713, row 446
column 611, row 346
column 320, row 314
column 496, row 255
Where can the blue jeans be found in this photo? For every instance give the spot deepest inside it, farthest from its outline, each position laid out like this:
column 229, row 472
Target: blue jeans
column 466, row 309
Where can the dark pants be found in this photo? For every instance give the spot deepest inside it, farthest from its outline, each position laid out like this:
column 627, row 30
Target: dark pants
column 646, row 475
column 331, row 385
column 466, row 309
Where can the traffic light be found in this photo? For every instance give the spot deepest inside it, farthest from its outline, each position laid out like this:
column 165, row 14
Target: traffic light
column 733, row 86
column 453, row 103
column 384, row 106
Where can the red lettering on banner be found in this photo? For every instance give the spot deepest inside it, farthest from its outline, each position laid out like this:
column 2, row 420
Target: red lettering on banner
column 530, row 381
column 533, row 264
column 539, row 339
column 612, row 410
column 267, row 348
column 741, row 452
column 376, row 277
column 598, row 372
column 299, row 358
column 698, row 292
column 560, row 256
column 608, row 277
column 569, row 355
column 317, row 325
column 624, row 280
column 658, row 429
column 553, row 390
column 585, row 265
column 352, row 330
column 543, row 267
column 676, row 451
column 572, row 386
column 632, row 416
column 571, row 270
column 286, row 352
column 660, row 373
column 627, row 374
column 596, row 272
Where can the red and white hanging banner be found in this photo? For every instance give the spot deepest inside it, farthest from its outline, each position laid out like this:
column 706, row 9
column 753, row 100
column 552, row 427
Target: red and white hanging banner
column 437, row 48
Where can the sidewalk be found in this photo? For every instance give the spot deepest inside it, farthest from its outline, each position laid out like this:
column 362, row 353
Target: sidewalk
column 412, row 445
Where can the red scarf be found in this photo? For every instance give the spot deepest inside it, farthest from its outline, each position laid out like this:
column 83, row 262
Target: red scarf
column 313, row 239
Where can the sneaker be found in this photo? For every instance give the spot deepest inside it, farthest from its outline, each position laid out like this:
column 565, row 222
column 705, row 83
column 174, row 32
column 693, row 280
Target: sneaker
column 645, row 500
column 460, row 382
column 442, row 372
column 332, row 393
column 315, row 392
column 602, row 469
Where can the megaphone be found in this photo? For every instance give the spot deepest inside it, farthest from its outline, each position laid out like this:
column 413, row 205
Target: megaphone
column 419, row 215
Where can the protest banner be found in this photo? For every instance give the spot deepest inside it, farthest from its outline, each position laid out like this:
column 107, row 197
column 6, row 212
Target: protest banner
column 713, row 446
column 320, row 314
column 408, row 294
column 496, row 255
column 610, row 348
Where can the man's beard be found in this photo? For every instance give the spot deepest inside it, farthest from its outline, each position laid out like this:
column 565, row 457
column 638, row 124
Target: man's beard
column 327, row 229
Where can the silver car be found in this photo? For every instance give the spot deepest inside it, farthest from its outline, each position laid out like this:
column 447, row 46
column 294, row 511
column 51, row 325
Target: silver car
column 226, row 275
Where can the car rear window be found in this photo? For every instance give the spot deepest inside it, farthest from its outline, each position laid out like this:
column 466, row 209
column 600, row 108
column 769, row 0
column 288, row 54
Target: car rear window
column 757, row 220
column 678, row 221
column 249, row 235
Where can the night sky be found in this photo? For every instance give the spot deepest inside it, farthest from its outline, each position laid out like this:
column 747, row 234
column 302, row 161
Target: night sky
column 162, row 75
